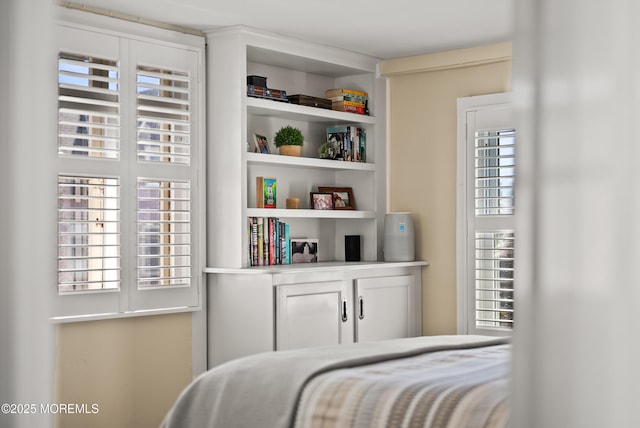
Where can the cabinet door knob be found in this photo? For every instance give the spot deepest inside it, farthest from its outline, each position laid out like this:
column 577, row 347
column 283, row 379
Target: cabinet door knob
column 344, row 310
column 361, row 306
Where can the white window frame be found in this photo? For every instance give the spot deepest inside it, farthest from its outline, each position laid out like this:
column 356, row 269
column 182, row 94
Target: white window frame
column 465, row 212
column 137, row 41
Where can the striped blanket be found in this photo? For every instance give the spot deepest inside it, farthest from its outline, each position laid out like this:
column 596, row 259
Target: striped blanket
column 455, row 388
column 443, row 381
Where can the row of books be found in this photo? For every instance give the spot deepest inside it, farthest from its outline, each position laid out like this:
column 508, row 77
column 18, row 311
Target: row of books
column 351, row 142
column 349, row 100
column 269, row 242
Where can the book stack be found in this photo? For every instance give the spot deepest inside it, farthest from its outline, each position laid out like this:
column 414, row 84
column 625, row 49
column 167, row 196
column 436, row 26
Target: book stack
column 269, row 242
column 351, row 142
column 349, row 100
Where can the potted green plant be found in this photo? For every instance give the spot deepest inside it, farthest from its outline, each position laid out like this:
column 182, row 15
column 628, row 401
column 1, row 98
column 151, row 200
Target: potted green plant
column 289, row 141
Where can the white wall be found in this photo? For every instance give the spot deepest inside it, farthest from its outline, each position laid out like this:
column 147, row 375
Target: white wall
column 577, row 89
column 27, row 213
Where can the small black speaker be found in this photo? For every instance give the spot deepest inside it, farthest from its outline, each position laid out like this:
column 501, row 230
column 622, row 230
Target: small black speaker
column 352, row 248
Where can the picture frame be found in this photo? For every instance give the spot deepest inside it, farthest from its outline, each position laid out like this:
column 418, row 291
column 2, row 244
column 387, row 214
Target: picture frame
column 304, row 250
column 261, row 144
column 341, row 197
column 321, row 201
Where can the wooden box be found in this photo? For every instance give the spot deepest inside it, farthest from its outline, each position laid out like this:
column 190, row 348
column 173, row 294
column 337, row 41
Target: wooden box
column 306, row 100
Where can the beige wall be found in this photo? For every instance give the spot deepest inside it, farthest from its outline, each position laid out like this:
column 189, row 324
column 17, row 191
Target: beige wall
column 423, row 93
column 133, row 368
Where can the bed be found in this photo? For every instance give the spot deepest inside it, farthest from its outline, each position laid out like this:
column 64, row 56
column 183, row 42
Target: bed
column 431, row 381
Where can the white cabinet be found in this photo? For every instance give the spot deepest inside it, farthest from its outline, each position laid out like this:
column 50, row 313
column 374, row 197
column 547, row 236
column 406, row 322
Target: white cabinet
column 385, row 307
column 314, row 314
column 277, row 308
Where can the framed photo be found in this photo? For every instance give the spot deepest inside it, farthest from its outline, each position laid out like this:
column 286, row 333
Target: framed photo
column 261, row 143
column 304, row 250
column 342, row 197
column 321, row 201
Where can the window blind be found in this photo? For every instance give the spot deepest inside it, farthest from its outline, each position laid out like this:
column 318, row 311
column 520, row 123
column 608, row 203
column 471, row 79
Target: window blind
column 494, row 238
column 164, row 233
column 494, row 172
column 494, row 279
column 129, row 163
column 88, row 233
column 164, row 115
column 88, row 107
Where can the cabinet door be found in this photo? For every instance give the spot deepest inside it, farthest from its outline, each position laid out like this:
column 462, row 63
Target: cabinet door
column 313, row 314
column 385, row 307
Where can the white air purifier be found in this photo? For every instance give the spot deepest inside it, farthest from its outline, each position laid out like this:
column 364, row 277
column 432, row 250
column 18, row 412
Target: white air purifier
column 399, row 244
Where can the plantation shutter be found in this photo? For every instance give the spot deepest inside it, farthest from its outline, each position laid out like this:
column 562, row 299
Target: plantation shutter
column 164, row 115
column 164, row 233
column 494, row 172
column 486, row 220
column 88, row 233
column 130, row 157
column 88, row 106
column 494, row 236
column 166, row 169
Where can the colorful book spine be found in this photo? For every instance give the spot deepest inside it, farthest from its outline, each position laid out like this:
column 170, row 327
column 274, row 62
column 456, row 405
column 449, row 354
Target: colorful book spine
column 265, row 243
column 287, row 244
column 362, row 145
column 349, row 103
column 338, row 106
column 254, row 241
column 260, row 242
column 272, row 242
column 336, row 92
column 358, row 99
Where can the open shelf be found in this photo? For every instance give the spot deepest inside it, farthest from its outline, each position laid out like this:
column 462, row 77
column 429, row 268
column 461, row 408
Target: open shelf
column 304, row 162
column 309, row 213
column 314, row 267
column 271, row 108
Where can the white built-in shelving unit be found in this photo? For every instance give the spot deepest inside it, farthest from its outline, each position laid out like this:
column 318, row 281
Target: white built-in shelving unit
column 266, row 308
column 297, row 67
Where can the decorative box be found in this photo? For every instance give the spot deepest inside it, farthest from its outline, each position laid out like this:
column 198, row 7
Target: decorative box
column 257, row 80
column 306, row 100
column 264, row 92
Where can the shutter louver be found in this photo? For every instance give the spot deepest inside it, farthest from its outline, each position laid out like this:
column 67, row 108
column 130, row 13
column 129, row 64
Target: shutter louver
column 494, row 172
column 164, row 116
column 494, row 243
column 164, row 233
column 88, row 234
column 494, row 279
column 88, row 107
